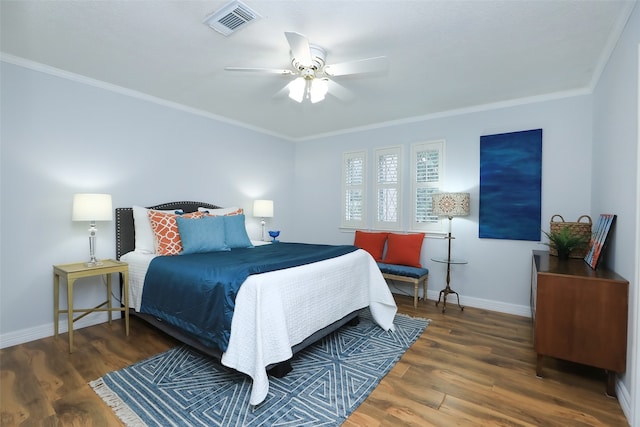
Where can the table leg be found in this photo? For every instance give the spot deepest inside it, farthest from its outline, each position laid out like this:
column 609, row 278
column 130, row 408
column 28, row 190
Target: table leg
column 447, row 290
column 451, row 291
column 443, row 295
column 109, row 296
column 56, row 303
column 70, row 311
column 440, row 297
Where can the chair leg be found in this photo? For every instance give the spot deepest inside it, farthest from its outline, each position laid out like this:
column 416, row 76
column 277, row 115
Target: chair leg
column 416, row 289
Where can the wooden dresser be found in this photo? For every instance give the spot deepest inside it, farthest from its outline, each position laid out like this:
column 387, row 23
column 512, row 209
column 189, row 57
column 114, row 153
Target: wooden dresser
column 579, row 314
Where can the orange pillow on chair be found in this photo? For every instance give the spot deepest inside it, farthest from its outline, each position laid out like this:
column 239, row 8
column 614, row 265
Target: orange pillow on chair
column 404, row 249
column 371, row 242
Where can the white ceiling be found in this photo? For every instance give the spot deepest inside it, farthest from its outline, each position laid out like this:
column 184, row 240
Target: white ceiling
column 444, row 55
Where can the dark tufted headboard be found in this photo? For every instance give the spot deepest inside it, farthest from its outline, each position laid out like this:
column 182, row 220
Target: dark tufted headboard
column 125, row 232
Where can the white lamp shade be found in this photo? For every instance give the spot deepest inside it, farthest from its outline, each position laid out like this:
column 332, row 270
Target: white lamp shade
column 92, row 207
column 297, row 89
column 450, row 204
column 263, row 208
column 318, row 90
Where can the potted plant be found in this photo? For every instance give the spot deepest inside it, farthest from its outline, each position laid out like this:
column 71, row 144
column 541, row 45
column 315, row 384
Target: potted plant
column 565, row 241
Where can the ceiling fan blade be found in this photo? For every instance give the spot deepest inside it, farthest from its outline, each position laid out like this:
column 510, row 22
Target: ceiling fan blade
column 282, row 72
column 362, row 66
column 299, row 47
column 339, row 91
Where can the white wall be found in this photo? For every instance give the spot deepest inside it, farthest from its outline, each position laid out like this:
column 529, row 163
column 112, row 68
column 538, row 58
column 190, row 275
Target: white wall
column 615, row 183
column 60, row 137
column 498, row 273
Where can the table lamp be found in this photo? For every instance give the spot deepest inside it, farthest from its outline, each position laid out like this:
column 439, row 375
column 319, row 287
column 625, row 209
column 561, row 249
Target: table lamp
column 450, row 205
column 263, row 209
column 92, row 208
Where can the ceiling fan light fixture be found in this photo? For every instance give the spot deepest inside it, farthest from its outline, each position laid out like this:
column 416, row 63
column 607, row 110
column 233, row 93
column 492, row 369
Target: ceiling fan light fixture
column 318, row 90
column 297, row 89
column 314, row 76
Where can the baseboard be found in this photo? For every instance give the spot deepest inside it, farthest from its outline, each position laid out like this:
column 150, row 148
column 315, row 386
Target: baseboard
column 624, row 399
column 485, row 304
column 43, row 331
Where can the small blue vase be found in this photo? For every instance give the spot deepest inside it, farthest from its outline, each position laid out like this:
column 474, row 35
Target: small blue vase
column 274, row 234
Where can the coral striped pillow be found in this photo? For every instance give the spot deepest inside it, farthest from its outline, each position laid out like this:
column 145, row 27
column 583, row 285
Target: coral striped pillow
column 165, row 229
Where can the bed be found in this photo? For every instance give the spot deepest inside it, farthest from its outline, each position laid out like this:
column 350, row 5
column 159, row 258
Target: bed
column 277, row 312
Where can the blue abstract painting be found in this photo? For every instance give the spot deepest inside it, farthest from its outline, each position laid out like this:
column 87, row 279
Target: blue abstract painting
column 511, row 185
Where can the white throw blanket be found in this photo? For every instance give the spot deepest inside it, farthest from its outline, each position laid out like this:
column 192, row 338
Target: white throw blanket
column 279, row 309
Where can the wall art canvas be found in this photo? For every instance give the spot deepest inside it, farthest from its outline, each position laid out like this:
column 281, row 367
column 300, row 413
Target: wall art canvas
column 511, row 185
column 598, row 241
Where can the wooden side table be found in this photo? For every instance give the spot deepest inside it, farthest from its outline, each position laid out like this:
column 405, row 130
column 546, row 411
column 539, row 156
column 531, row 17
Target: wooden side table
column 72, row 272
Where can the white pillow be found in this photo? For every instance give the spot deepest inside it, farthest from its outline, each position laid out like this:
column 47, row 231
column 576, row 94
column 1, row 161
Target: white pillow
column 221, row 211
column 145, row 238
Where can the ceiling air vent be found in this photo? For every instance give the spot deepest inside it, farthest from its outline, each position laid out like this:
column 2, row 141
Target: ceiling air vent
column 231, row 17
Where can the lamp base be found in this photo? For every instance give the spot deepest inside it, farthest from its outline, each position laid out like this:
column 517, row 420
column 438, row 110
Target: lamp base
column 447, row 290
column 93, row 261
column 443, row 296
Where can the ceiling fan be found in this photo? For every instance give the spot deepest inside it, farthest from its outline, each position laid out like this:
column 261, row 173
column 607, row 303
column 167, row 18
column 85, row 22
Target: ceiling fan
column 313, row 76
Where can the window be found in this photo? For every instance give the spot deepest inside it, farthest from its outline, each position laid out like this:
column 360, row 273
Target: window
column 427, row 172
column 354, row 189
column 385, row 199
column 388, row 188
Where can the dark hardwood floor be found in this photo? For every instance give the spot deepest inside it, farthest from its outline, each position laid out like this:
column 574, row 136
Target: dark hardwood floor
column 469, row 368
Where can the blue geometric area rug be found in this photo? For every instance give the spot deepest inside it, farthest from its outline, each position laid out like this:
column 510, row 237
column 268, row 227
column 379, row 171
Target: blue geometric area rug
column 329, row 380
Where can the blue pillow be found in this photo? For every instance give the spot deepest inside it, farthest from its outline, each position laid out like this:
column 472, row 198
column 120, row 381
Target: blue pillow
column 206, row 234
column 236, row 232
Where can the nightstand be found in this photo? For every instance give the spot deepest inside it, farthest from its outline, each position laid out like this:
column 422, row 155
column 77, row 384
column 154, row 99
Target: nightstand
column 72, row 272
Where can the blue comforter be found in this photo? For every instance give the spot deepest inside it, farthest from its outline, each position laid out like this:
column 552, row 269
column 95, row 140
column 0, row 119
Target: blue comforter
column 197, row 292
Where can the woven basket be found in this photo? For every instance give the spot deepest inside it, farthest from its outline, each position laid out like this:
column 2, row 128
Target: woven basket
column 579, row 227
